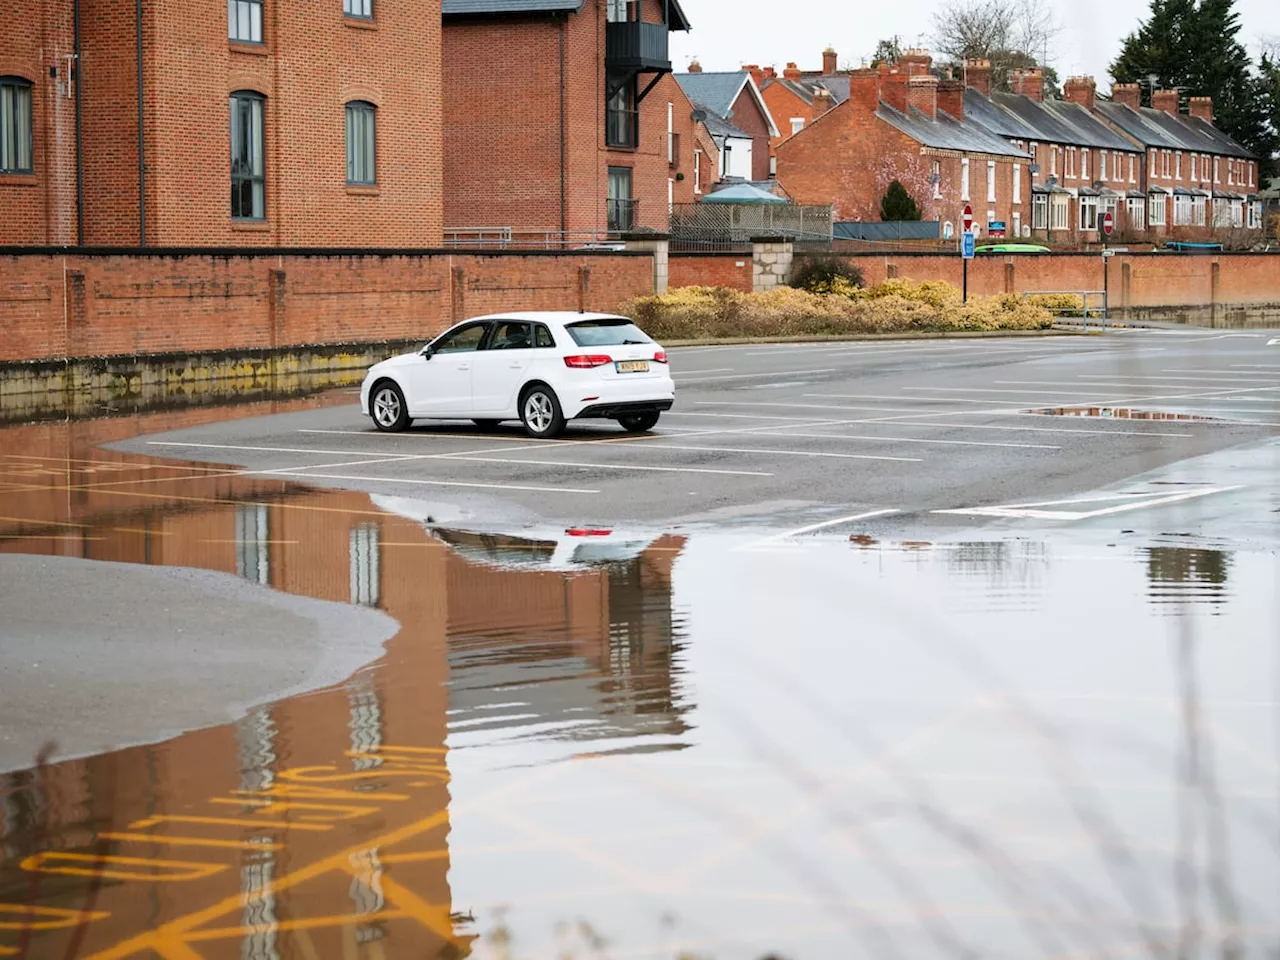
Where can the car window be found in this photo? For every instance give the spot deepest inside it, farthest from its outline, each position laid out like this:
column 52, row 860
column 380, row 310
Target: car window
column 510, row 335
column 542, row 337
column 611, row 332
column 464, row 340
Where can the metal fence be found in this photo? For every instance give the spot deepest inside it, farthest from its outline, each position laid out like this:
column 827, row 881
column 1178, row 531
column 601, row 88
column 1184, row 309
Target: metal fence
column 741, row 222
column 506, row 238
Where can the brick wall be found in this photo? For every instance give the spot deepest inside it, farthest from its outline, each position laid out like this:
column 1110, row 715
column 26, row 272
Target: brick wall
column 53, row 306
column 731, row 270
column 748, row 118
column 1139, row 281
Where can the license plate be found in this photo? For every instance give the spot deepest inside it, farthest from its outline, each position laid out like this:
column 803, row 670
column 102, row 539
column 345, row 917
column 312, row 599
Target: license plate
column 633, row 366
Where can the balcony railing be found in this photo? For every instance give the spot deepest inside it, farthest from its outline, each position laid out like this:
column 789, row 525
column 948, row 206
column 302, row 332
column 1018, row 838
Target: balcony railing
column 634, row 45
column 622, row 214
column 621, row 127
column 673, row 151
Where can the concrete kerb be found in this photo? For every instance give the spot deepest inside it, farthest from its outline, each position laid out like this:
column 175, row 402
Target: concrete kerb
column 875, row 337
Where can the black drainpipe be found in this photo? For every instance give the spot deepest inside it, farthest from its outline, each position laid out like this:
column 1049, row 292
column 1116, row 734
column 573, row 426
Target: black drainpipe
column 564, row 149
column 142, row 156
column 75, row 72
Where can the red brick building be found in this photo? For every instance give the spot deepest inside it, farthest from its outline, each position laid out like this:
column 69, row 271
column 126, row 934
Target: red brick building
column 262, row 123
column 903, row 124
column 558, row 116
column 737, row 117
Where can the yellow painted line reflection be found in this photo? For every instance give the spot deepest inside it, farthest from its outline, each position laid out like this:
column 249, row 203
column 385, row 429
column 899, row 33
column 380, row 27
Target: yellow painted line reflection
column 47, row 523
column 424, row 857
column 226, row 822
column 293, row 926
column 170, row 948
column 163, row 839
column 270, row 543
column 144, row 530
column 340, row 812
column 180, row 870
column 71, row 537
column 61, row 918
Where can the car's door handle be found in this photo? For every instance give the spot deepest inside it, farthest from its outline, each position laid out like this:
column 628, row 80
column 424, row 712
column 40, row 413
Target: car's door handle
column 517, row 365
column 464, row 366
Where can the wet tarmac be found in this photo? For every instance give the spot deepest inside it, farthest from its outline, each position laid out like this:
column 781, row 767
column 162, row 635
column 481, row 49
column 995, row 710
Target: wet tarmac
column 661, row 740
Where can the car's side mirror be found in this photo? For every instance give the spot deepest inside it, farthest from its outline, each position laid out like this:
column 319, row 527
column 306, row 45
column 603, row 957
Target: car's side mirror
column 427, row 353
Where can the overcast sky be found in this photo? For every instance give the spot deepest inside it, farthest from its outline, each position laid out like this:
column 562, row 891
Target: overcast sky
column 729, row 33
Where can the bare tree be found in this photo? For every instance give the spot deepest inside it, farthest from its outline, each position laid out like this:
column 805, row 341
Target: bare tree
column 1009, row 33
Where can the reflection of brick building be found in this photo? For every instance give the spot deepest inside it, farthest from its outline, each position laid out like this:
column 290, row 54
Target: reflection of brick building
column 605, row 629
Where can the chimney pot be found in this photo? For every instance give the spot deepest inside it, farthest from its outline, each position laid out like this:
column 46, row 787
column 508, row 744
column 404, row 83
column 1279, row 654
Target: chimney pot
column 695, row 66
column 828, row 61
column 1166, row 100
column 1028, row 83
column 1129, row 94
column 1202, row 107
column 1081, row 90
column 792, row 72
column 977, row 74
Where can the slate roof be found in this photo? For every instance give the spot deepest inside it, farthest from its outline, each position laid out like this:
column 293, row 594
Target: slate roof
column 946, row 133
column 716, row 92
column 498, row 7
column 723, row 128
column 1155, row 128
column 1053, row 121
column 799, row 89
column 806, row 87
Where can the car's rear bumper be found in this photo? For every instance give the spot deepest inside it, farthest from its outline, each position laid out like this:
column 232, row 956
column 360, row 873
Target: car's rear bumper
column 626, row 408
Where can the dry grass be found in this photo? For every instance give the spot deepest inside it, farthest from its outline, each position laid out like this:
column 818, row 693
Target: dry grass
column 896, row 306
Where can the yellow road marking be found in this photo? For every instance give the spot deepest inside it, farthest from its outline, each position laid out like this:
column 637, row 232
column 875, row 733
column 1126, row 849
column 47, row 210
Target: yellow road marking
column 227, row 822
column 192, row 841
column 292, row 926
column 182, row 869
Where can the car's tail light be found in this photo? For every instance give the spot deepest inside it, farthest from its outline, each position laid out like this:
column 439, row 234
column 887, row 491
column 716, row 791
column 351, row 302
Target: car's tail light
column 587, row 532
column 660, row 356
column 584, row 361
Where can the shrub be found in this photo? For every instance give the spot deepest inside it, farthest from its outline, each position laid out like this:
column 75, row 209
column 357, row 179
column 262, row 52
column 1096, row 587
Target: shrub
column 896, row 306
column 898, row 204
column 822, row 273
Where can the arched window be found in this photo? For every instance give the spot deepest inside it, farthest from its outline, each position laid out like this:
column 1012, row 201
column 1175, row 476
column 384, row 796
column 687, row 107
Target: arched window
column 15, row 125
column 248, row 157
column 361, row 138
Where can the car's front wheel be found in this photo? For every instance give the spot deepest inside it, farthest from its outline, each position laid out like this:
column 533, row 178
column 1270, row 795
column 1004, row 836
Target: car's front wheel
column 639, row 422
column 387, row 407
column 540, row 413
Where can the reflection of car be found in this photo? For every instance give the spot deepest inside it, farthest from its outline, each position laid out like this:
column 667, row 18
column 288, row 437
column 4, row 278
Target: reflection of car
column 1011, row 248
column 540, row 368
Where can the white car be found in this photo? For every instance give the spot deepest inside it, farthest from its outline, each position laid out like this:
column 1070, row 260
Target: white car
column 543, row 369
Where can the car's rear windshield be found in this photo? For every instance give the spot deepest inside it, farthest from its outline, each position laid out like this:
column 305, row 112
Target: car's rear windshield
column 613, row 332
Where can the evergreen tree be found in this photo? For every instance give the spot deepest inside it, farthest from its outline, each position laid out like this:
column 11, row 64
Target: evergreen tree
column 897, row 204
column 1195, row 48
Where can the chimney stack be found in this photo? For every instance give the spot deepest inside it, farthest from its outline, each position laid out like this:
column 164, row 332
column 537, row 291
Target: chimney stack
column 1202, row 107
column 893, row 88
column 1166, row 100
column 695, row 66
column 1129, row 94
column 829, row 62
column 977, row 74
column 770, row 73
column 792, row 72
column 1081, row 90
column 1028, row 83
column 756, row 73
column 922, row 94
column 915, row 61
column 951, row 98
column 864, row 90
column 822, row 102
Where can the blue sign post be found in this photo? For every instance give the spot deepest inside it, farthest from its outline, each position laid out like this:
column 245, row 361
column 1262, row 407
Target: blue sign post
column 968, row 243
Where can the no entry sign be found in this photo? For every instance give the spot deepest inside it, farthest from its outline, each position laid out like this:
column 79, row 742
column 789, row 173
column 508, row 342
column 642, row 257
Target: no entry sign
column 967, row 218
column 1108, row 223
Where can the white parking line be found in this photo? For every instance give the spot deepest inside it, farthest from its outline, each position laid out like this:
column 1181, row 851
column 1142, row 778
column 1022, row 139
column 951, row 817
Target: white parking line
column 695, row 372
column 814, row 527
column 909, row 424
column 875, row 439
column 766, row 373
column 605, row 466
column 1144, row 376
column 435, row 483
column 768, row 451
column 1035, row 511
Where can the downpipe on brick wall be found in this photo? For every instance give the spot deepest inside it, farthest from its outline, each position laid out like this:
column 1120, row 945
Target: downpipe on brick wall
column 75, row 72
column 142, row 147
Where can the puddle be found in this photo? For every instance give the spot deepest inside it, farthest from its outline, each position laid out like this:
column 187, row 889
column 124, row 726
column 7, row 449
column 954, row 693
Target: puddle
column 658, row 742
column 1121, row 413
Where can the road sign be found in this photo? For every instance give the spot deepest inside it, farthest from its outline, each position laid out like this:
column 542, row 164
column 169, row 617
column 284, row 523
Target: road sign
column 1109, row 253
column 968, row 244
column 1108, row 223
column 967, row 218
column 996, row 228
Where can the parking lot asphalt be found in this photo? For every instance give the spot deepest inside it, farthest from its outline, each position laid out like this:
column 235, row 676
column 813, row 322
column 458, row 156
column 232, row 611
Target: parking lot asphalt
column 834, row 437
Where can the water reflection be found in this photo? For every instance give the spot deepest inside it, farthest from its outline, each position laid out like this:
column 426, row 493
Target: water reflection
column 1181, row 574
column 315, row 827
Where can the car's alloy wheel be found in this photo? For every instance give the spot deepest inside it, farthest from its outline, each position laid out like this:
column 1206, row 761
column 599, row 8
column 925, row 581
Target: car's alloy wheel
column 540, row 412
column 388, row 409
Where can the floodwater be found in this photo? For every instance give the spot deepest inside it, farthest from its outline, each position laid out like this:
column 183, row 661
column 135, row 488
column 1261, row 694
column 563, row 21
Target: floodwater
column 661, row 743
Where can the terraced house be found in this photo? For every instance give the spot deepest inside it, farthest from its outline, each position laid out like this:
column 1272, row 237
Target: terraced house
column 241, row 123
column 561, row 120
column 734, row 111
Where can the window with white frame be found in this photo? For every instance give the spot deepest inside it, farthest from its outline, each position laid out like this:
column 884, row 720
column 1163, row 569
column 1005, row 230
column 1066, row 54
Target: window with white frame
column 358, row 8
column 1109, row 205
column 1035, row 161
column 244, row 21
column 1017, row 224
column 1102, row 165
column 1136, row 211
column 1153, row 163
column 936, row 177
column 1177, row 170
column 1039, row 211
column 991, row 181
column 797, row 124
column 1237, row 213
column 361, row 143
column 1084, row 163
column 1181, row 211
column 365, row 563
column 1133, row 164
column 1156, row 210
column 964, row 179
column 1059, row 212
column 1216, row 171
column 1053, row 161
column 1071, row 163
column 1231, row 172
column 1253, row 172
column 1193, row 168
column 1017, row 183
column 1255, row 215
column 697, row 171
column 1167, row 162
column 1198, row 214
column 1089, row 214
column 1221, row 212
